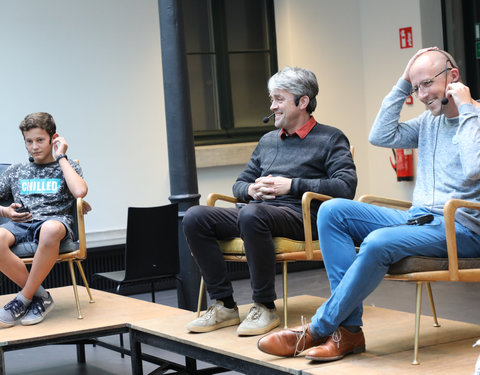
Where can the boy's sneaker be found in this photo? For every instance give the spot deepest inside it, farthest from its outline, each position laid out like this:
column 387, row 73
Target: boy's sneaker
column 12, row 312
column 39, row 308
column 259, row 320
column 217, row 316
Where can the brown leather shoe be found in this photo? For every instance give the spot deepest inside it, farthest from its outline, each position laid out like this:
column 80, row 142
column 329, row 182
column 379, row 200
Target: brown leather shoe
column 289, row 342
column 340, row 343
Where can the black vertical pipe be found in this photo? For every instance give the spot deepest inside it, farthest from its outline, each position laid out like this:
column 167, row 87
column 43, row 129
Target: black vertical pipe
column 181, row 150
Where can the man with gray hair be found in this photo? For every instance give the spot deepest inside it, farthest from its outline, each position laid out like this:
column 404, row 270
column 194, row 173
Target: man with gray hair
column 301, row 155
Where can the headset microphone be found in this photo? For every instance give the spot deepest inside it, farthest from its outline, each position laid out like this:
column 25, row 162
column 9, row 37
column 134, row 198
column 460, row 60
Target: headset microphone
column 445, row 99
column 266, row 119
column 31, row 159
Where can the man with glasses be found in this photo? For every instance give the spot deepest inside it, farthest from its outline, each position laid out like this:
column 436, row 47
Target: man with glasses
column 448, row 141
column 300, row 155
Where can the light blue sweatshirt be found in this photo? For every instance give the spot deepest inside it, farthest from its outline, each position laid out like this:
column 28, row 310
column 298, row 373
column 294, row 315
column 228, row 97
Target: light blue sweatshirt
column 448, row 152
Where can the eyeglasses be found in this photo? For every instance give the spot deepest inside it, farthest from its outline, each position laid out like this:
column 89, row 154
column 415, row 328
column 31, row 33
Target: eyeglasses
column 424, row 85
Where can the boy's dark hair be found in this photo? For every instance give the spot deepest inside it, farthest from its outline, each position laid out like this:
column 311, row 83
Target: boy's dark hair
column 40, row 120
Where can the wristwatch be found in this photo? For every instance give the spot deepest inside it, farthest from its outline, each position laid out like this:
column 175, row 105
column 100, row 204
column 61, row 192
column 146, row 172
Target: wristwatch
column 61, row 156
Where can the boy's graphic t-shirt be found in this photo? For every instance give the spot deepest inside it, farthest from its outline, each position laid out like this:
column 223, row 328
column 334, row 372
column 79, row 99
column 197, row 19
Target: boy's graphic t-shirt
column 40, row 187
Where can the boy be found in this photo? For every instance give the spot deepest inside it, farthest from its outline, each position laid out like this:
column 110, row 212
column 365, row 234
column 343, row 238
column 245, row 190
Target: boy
column 43, row 191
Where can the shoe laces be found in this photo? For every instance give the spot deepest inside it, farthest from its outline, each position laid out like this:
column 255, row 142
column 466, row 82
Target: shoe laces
column 337, row 337
column 254, row 313
column 15, row 307
column 37, row 306
column 301, row 337
column 210, row 311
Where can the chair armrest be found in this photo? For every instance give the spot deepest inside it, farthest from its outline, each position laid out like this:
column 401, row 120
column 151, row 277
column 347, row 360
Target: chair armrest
column 449, row 210
column 386, row 202
column 81, row 228
column 307, row 198
column 213, row 197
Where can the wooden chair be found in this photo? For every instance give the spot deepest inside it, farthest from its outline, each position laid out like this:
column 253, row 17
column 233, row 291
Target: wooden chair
column 424, row 270
column 287, row 250
column 71, row 251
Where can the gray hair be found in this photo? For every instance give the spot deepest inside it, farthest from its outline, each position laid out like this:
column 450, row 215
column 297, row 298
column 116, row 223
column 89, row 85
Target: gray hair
column 300, row 82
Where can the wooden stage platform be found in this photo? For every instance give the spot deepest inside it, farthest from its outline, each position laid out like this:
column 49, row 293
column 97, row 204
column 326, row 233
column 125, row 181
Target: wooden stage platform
column 389, row 337
column 108, row 315
column 389, row 340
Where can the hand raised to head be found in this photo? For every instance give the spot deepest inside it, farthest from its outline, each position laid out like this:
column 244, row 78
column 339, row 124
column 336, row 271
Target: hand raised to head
column 406, row 73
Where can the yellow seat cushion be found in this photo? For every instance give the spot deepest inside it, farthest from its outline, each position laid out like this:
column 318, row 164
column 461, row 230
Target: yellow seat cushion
column 281, row 244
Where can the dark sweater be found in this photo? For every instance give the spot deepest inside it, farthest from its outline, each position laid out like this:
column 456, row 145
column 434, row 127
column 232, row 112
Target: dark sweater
column 321, row 162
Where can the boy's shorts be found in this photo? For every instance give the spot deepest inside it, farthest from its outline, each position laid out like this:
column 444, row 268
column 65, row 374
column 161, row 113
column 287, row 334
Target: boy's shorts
column 30, row 231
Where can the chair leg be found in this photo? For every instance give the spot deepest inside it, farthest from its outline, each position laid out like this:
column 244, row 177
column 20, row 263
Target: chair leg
column 418, row 310
column 153, row 291
column 200, row 296
column 75, row 290
column 285, row 301
column 432, row 304
column 121, row 345
column 80, row 269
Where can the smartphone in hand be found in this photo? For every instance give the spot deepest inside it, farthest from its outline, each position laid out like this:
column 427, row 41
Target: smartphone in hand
column 22, row 209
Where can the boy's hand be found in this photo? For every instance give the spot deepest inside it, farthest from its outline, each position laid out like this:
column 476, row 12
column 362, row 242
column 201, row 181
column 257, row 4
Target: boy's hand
column 60, row 145
column 86, row 207
column 19, row 217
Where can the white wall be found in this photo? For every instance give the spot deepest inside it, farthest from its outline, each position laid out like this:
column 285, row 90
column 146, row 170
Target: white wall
column 325, row 37
column 384, row 63
column 353, row 47
column 95, row 65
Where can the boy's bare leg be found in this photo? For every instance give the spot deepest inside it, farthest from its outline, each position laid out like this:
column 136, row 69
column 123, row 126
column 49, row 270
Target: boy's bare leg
column 14, row 268
column 10, row 264
column 51, row 233
column 24, row 306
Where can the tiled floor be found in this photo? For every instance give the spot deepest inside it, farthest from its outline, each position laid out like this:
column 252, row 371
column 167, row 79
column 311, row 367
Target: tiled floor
column 457, row 301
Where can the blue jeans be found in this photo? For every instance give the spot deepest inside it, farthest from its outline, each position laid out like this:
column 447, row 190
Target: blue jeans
column 384, row 241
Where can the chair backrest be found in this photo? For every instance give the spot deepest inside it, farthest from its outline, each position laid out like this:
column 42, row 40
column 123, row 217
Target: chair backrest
column 152, row 242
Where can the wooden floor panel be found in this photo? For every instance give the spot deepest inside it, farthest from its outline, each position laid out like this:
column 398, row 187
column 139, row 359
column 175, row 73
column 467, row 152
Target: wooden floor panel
column 389, row 340
column 452, row 358
column 389, row 334
column 108, row 311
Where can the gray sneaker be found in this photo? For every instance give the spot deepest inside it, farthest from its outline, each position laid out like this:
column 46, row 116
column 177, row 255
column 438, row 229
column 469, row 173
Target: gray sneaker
column 217, row 316
column 39, row 308
column 12, row 312
column 259, row 320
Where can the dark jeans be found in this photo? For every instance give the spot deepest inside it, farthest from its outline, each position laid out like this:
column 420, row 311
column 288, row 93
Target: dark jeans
column 256, row 224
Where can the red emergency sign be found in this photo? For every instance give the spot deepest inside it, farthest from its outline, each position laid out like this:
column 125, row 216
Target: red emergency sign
column 406, row 38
